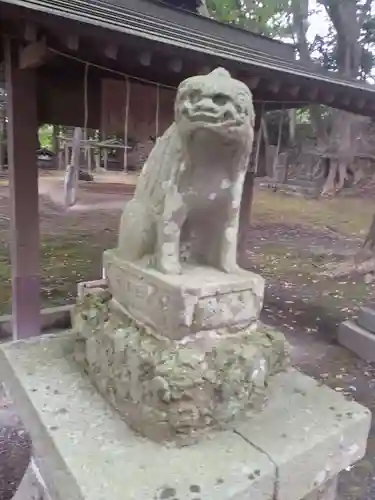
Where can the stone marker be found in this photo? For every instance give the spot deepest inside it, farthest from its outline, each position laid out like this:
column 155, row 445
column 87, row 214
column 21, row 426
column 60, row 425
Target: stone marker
column 171, row 339
column 359, row 335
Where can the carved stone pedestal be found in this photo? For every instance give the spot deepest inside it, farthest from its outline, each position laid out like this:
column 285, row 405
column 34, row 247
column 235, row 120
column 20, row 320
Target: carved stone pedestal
column 198, row 301
column 169, row 389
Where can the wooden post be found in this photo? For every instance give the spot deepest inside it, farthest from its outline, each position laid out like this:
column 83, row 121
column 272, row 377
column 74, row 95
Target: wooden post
column 55, row 145
column 246, row 204
column 245, row 211
column 66, row 153
column 23, row 179
column 2, row 137
column 105, row 159
column 72, row 171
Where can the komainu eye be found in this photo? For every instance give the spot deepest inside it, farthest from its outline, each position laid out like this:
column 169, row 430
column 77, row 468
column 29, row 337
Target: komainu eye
column 241, row 110
column 194, row 96
column 220, row 99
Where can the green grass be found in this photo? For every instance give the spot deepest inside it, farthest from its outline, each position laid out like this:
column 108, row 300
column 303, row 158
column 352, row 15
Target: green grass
column 64, row 263
column 346, row 215
column 76, row 256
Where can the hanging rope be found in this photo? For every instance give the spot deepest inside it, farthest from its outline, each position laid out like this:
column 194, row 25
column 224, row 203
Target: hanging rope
column 126, row 124
column 152, row 82
column 157, row 112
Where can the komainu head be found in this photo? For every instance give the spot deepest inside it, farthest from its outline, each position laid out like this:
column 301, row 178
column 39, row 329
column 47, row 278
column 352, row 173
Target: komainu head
column 216, row 102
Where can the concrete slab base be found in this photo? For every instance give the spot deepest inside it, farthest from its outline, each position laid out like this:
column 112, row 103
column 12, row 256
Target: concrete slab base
column 358, row 340
column 293, row 450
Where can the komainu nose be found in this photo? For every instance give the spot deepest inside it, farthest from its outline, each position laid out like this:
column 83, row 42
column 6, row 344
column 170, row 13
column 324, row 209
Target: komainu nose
column 207, row 105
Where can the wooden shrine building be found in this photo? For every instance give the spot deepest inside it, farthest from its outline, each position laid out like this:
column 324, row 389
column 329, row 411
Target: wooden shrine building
column 61, row 58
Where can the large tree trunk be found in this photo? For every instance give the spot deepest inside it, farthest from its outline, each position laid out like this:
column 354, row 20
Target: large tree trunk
column 348, row 23
column 362, row 263
column 369, row 242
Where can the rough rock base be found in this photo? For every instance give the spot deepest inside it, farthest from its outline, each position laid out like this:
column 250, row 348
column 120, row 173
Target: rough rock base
column 292, row 450
column 174, row 390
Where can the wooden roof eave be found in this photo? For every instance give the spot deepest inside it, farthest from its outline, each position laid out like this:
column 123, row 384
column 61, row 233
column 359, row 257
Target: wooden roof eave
column 120, row 19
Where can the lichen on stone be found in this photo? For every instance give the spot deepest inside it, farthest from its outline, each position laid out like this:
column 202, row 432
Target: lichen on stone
column 169, row 390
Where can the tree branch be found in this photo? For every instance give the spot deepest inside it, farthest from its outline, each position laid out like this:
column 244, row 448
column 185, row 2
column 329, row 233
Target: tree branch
column 366, row 9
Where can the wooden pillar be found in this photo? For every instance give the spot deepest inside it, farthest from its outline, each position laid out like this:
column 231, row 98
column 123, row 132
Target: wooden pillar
column 245, row 211
column 2, row 138
column 23, row 179
column 246, row 204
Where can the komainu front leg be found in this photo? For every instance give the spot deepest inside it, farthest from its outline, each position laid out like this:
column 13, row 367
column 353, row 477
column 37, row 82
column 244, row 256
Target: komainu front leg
column 228, row 251
column 168, row 252
column 230, row 228
column 228, row 243
column 169, row 235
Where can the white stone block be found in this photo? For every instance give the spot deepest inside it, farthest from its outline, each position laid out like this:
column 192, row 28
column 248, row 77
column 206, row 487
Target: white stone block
column 291, row 450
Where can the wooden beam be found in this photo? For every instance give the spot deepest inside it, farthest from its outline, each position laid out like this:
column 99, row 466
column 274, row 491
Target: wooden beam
column 145, row 58
column 293, row 90
column 24, row 199
column 34, row 55
column 31, row 32
column 111, row 51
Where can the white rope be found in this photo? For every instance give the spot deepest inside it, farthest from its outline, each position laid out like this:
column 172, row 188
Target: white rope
column 157, row 111
column 126, row 125
column 109, row 70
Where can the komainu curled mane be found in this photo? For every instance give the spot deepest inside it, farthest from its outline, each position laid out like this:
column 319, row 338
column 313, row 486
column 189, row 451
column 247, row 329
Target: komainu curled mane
column 188, row 196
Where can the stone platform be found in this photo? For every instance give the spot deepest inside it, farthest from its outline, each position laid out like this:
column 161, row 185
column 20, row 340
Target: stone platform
column 292, row 450
column 199, row 300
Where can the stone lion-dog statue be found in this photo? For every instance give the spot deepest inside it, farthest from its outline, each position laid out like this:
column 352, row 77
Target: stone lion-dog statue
column 187, row 201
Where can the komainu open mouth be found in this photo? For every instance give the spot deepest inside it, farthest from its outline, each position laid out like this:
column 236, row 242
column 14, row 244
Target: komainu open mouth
column 213, row 119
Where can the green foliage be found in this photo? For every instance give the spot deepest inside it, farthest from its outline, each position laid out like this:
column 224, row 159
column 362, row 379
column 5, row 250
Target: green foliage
column 267, row 18
column 279, row 19
column 45, row 136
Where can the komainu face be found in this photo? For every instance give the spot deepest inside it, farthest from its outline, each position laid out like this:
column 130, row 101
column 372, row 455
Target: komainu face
column 215, row 101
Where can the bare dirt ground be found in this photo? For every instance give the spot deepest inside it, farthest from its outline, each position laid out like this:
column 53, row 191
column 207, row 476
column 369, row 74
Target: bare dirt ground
column 288, row 242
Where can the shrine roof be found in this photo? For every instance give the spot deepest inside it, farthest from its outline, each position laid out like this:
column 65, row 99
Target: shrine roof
column 155, row 21
column 147, row 19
